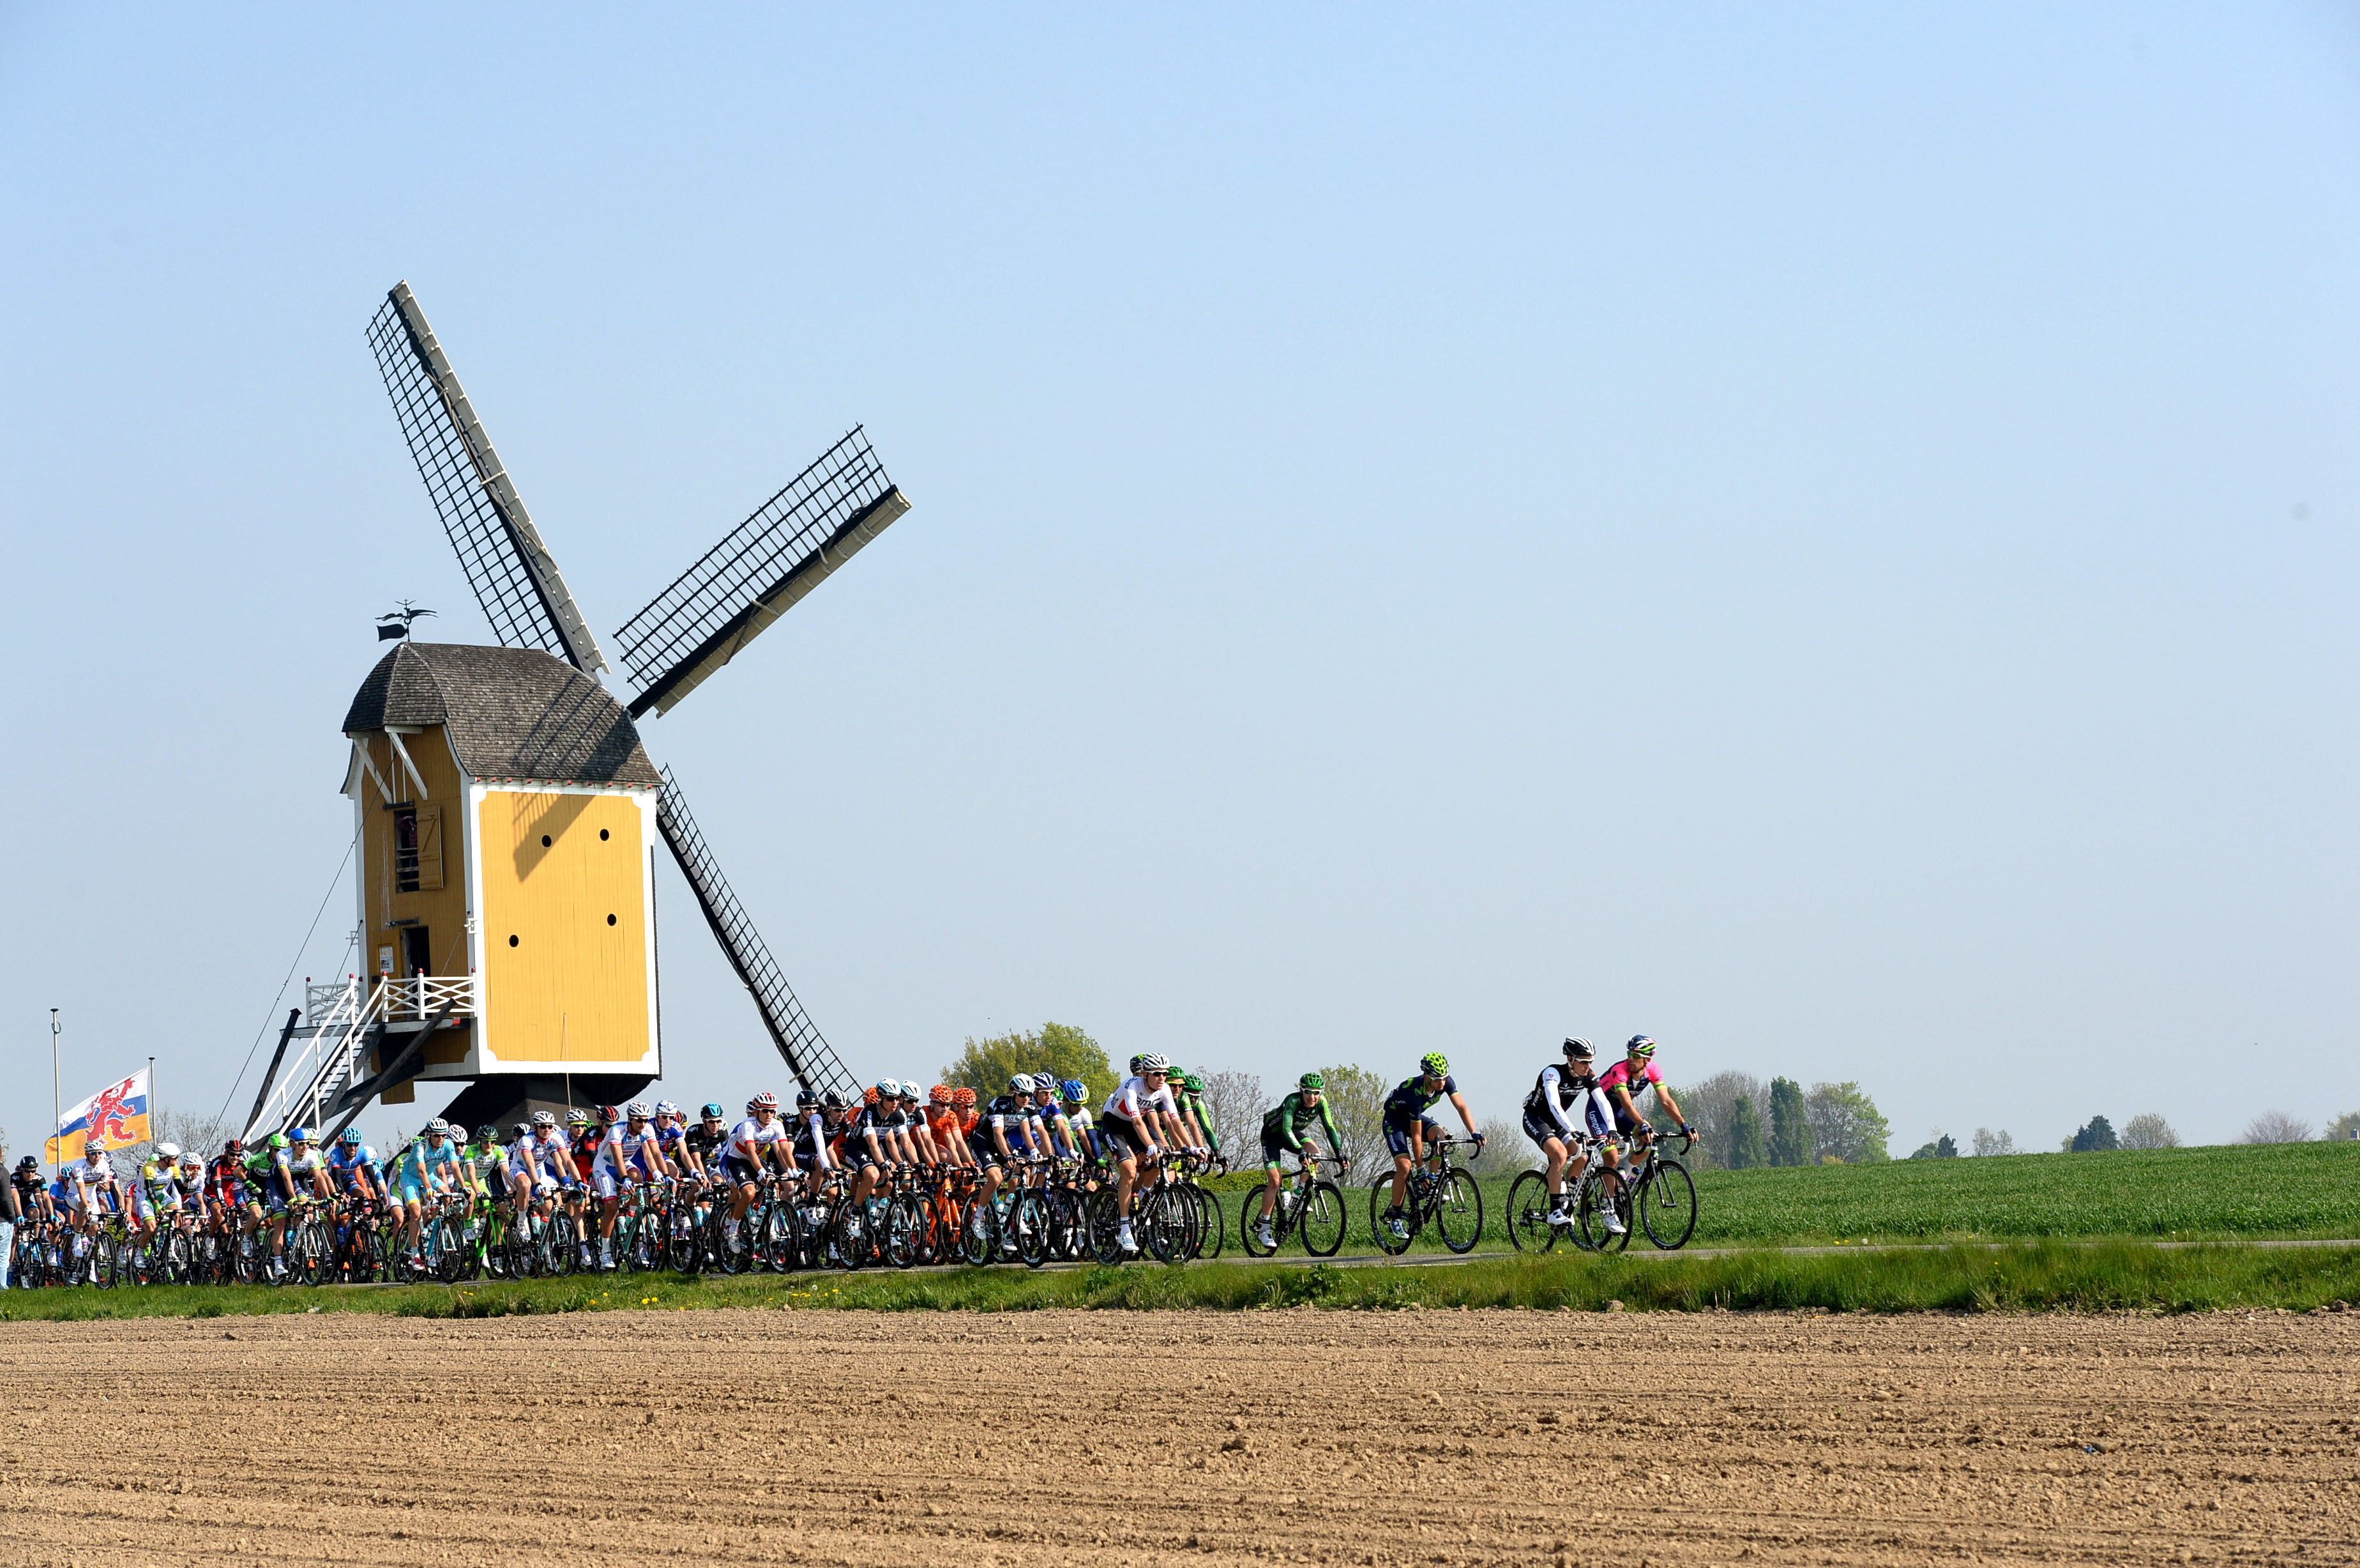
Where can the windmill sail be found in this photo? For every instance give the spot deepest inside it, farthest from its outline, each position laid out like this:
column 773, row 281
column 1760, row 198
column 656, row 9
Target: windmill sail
column 808, row 1055
column 790, row 544
column 514, row 578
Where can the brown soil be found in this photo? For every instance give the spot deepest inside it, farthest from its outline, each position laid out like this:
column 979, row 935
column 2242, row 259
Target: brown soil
column 1108, row 1438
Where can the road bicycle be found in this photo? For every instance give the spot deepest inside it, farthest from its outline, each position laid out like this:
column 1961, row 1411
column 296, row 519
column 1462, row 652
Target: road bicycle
column 1309, row 1206
column 1447, row 1197
column 1652, row 1189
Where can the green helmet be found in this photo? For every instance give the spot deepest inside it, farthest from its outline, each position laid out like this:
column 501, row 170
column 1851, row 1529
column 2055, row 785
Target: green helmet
column 1192, row 1083
column 1435, row 1064
column 278, row 1140
column 1312, row 1081
column 1641, row 1047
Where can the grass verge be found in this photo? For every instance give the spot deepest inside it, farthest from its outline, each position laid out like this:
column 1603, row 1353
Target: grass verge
column 2032, row 1277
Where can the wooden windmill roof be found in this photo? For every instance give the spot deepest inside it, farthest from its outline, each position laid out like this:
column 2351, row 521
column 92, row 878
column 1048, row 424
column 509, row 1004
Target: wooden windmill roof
column 511, row 713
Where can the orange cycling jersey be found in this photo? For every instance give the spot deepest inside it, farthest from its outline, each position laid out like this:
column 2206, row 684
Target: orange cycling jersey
column 944, row 1123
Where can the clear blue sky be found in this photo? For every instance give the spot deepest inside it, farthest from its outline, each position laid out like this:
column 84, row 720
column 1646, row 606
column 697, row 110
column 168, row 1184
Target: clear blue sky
column 1828, row 537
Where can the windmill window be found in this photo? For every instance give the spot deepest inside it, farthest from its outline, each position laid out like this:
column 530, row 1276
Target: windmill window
column 602, row 835
column 544, row 841
column 512, row 942
column 416, row 848
column 610, row 920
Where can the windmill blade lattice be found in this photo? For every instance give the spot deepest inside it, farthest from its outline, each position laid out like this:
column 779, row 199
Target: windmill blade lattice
column 807, row 1053
column 515, row 580
column 762, row 570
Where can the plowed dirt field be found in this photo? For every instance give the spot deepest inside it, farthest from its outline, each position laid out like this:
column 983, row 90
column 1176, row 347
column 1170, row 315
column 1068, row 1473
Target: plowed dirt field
column 822, row 1437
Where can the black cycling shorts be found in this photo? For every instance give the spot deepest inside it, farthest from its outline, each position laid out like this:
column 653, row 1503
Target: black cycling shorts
column 1397, row 1134
column 1540, row 1128
column 1122, row 1138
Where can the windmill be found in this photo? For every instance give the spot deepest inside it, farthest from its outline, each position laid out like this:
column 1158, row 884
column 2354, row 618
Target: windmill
column 512, row 946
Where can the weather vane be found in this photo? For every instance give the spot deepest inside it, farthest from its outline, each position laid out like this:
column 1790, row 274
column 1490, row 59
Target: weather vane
column 387, row 631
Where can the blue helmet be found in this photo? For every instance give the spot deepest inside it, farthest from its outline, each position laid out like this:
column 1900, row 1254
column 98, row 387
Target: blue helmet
column 350, row 1137
column 298, row 1135
column 1076, row 1091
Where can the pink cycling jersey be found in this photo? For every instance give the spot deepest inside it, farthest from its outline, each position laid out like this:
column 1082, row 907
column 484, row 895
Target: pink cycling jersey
column 1620, row 1076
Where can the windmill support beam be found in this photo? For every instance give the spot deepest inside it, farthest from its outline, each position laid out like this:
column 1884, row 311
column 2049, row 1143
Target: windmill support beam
column 294, row 1017
column 402, row 752
column 369, row 765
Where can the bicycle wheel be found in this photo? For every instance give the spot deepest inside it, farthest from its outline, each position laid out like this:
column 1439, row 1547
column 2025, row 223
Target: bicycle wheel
column 1528, row 1211
column 1381, row 1200
column 1214, row 1226
column 1459, row 1211
column 1667, row 1206
column 1250, row 1225
column 1032, row 1220
column 1589, row 1216
column 979, row 1236
column 1102, row 1218
column 904, row 1226
column 1157, row 1226
column 451, row 1252
column 1323, row 1219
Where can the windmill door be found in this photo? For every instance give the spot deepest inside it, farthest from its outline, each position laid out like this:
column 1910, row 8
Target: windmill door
column 417, row 950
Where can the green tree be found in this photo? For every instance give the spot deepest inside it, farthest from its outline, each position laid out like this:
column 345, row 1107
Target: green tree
column 1790, row 1134
column 2346, row 1125
column 985, row 1066
column 1939, row 1147
column 2097, row 1138
column 1357, row 1096
column 1744, row 1152
column 1846, row 1123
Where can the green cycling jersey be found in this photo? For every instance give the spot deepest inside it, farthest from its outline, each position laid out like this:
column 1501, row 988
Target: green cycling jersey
column 1286, row 1124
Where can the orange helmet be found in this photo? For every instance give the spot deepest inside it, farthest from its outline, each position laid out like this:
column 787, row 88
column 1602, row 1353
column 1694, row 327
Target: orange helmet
column 963, row 1095
column 868, row 1095
column 940, row 1094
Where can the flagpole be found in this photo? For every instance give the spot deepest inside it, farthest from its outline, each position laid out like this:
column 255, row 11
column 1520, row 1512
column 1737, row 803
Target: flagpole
column 153, row 1105
column 57, row 1099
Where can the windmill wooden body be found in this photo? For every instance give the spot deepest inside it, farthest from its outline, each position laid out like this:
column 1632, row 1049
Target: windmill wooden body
column 506, row 811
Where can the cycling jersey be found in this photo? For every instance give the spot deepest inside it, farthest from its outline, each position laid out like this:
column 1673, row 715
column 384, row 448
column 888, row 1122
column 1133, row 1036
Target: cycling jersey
column 584, row 1149
column 1133, row 1100
column 1194, row 1105
column 488, row 1164
column 1568, row 1100
column 28, row 1186
column 1285, row 1124
column 706, row 1146
column 1634, row 1084
column 1077, row 1122
column 419, row 1162
column 623, row 1150
column 346, row 1165
column 750, row 1140
column 1410, row 1100
column 551, row 1156
column 812, row 1140
column 1011, row 1114
column 159, row 1181
column 304, row 1166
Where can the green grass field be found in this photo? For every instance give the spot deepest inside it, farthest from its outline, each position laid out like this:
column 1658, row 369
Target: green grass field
column 2023, row 1277
column 2230, row 1190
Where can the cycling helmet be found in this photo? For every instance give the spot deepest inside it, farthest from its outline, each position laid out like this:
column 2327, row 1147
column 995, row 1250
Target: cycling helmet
column 806, row 1099
column 1312, row 1081
column 1021, row 1084
column 1044, row 1083
column 831, row 1101
column 711, row 1111
column 940, row 1094
column 1434, row 1064
column 93, row 1144
column 487, row 1133
column 1074, row 1091
column 609, row 1114
column 868, row 1095
column 577, row 1118
column 232, row 1149
column 544, row 1119
column 28, row 1164
column 523, row 1130
column 350, row 1137
column 636, row 1110
column 1579, row 1050
column 912, row 1091
column 438, row 1127
column 1191, row 1082
column 888, row 1089
column 278, row 1141
column 1134, row 1065
column 764, row 1101
column 298, row 1135
column 167, row 1151
column 964, row 1095
column 1155, row 1062
column 192, row 1161
column 1641, row 1047
column 667, row 1108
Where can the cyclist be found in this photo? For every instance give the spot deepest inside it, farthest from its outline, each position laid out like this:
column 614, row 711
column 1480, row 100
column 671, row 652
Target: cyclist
column 1283, row 1128
column 755, row 1144
column 813, row 1134
column 1075, row 1096
column 628, row 1153
column 1197, row 1114
column 1049, row 1129
column 672, row 1138
column 427, row 1168
column 704, row 1142
column 943, row 1125
column 353, row 1170
column 157, row 1194
column 1623, row 1083
column 1409, row 1130
column 89, row 1187
column 32, row 1192
column 1564, row 1110
column 1129, row 1122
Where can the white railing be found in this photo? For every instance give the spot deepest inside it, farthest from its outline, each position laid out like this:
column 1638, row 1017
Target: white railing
column 337, row 1020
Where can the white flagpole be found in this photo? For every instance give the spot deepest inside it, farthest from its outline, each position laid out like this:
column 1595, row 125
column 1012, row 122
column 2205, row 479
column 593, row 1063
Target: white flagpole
column 56, row 1098
column 153, row 1107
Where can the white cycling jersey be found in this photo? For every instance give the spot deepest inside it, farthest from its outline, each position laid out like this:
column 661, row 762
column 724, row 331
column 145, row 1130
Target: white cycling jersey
column 1133, row 1100
column 748, row 1140
column 621, row 1148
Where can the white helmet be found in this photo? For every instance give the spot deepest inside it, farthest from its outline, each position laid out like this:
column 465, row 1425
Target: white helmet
column 168, row 1152
column 1155, row 1062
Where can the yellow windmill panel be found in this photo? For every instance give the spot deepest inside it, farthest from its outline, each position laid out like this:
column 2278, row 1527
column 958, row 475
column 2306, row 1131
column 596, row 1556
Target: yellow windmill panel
column 565, row 927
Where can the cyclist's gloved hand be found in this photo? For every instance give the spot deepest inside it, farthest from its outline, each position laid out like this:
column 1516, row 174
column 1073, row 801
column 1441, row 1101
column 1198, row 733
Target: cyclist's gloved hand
column 1687, row 1131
